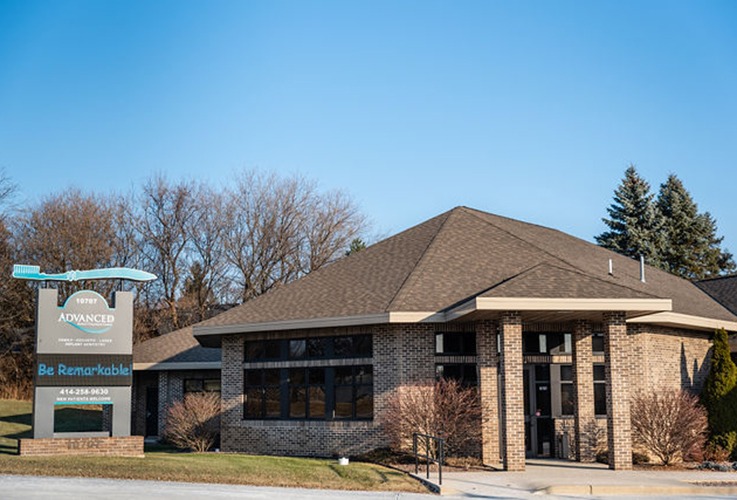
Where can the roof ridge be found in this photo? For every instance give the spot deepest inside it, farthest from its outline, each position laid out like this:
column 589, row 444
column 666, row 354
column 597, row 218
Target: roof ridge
column 448, row 215
column 560, row 259
column 475, row 213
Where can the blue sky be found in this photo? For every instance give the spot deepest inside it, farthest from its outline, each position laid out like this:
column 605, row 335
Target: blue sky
column 531, row 110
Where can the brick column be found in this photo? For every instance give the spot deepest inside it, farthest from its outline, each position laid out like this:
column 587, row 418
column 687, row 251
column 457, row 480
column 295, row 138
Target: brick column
column 583, row 390
column 163, row 400
column 231, row 393
column 487, row 360
column 513, row 408
column 616, row 352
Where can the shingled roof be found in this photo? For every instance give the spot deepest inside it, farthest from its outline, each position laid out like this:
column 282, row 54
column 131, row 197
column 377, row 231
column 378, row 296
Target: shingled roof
column 723, row 289
column 459, row 257
column 175, row 350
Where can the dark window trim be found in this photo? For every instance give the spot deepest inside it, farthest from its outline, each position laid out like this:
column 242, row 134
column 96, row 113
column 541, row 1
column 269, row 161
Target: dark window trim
column 328, row 349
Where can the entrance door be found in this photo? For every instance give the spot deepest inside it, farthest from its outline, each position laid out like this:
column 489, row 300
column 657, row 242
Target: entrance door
column 152, row 411
column 539, row 431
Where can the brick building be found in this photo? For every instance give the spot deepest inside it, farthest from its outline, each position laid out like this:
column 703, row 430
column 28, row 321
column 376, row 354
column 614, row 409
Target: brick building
column 555, row 332
column 164, row 369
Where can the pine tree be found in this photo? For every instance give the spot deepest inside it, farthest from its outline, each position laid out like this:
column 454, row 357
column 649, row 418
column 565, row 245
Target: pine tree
column 633, row 223
column 357, row 244
column 691, row 247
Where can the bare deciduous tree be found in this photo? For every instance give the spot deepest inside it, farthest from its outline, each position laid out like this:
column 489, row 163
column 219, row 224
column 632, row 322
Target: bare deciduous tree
column 279, row 229
column 166, row 211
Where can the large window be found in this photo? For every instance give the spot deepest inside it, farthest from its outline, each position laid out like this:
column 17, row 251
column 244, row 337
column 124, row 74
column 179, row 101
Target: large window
column 567, row 397
column 312, row 393
column 354, row 392
column 262, row 393
column 465, row 373
column 455, row 343
column 201, row 385
column 307, row 393
column 547, row 343
column 346, row 346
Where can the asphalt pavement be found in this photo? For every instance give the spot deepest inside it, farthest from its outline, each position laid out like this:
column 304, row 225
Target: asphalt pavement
column 552, row 479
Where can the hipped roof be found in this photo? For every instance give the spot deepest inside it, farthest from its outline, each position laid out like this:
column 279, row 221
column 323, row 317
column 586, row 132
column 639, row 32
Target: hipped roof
column 460, row 256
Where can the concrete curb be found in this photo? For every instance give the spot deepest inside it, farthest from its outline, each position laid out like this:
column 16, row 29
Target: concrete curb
column 620, row 489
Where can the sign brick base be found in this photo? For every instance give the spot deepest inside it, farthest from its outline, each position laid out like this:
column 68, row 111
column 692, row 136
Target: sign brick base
column 124, row 446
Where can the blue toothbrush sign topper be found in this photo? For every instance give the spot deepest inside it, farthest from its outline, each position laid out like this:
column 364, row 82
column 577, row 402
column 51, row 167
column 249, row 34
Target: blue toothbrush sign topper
column 25, row 272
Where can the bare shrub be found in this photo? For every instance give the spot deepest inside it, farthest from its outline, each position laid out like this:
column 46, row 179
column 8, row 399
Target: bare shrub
column 445, row 409
column 593, row 438
column 194, row 422
column 670, row 424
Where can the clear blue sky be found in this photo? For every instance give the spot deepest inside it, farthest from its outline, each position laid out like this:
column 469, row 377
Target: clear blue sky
column 531, row 110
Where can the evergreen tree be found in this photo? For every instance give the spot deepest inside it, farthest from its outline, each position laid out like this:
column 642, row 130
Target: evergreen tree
column 357, row 244
column 718, row 394
column 633, row 223
column 691, row 247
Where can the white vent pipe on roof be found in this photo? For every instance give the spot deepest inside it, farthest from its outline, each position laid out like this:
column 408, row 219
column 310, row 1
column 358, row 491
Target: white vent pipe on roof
column 642, row 268
column 611, row 268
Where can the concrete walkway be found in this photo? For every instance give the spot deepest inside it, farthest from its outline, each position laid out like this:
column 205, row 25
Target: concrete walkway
column 563, row 478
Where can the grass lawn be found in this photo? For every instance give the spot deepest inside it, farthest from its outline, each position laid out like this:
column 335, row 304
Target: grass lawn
column 15, row 421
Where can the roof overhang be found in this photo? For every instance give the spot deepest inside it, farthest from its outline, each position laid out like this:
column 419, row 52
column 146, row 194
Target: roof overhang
column 491, row 307
column 678, row 320
column 188, row 365
column 209, row 336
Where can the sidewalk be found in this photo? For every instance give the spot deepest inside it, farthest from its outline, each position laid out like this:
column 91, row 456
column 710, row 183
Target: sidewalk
column 560, row 477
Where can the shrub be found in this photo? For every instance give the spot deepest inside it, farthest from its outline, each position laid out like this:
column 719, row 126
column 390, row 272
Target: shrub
column 443, row 409
column 194, row 422
column 720, row 447
column 719, row 384
column 670, row 424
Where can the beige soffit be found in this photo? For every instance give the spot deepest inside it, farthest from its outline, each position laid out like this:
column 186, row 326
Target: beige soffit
column 370, row 319
column 685, row 321
column 557, row 304
column 188, row 365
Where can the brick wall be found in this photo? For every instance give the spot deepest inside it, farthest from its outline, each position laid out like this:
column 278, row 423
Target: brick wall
column 669, row 358
column 130, row 446
column 402, row 354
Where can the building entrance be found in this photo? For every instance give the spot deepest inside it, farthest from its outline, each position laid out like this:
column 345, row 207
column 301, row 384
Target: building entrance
column 539, row 427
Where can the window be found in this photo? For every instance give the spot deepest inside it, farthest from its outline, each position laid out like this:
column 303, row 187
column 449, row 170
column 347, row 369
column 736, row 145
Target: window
column 567, row 395
column 341, row 392
column 456, row 343
column 262, row 393
column 201, row 385
column 599, row 390
column 307, row 393
column 354, row 392
column 547, row 343
column 567, row 400
column 346, row 346
column 597, row 343
column 465, row 373
column 263, row 350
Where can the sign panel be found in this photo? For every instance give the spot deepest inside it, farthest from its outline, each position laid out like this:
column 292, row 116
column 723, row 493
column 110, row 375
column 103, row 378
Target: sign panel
column 72, row 369
column 84, row 324
column 83, row 356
